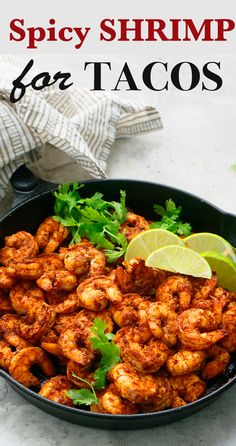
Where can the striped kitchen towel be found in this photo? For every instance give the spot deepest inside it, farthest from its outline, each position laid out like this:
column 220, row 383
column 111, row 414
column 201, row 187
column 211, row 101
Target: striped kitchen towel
column 78, row 122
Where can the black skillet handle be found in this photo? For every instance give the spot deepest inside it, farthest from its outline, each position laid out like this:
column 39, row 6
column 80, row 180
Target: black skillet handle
column 26, row 184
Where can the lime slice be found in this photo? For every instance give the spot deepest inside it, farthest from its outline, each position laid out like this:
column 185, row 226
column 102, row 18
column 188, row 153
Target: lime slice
column 147, row 241
column 206, row 241
column 179, row 259
column 224, row 268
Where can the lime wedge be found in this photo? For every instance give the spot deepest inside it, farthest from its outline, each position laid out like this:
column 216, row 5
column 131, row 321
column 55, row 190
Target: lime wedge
column 150, row 240
column 179, row 259
column 224, row 268
column 206, row 241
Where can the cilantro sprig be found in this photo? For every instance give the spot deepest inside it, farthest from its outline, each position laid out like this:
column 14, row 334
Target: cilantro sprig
column 110, row 355
column 171, row 218
column 92, row 218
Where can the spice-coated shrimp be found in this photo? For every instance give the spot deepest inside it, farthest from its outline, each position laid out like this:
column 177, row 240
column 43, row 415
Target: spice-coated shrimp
column 176, row 292
column 57, row 281
column 145, row 357
column 29, row 269
column 185, row 362
column 133, row 225
column 198, row 329
column 23, row 294
column 163, row 322
column 162, row 398
column 218, row 361
column 50, row 235
column 75, row 344
column 22, row 362
column 229, row 323
column 189, row 387
column 132, row 385
column 69, row 304
column 6, row 354
column 83, row 259
column 38, row 321
column 95, row 293
column 7, row 280
column 18, row 247
column 129, row 310
column 136, row 277
column 205, row 287
column 84, row 372
column 56, row 389
column 109, row 401
column 51, row 262
column 5, row 304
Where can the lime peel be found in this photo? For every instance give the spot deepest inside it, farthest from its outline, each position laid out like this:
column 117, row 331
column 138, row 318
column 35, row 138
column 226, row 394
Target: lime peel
column 181, row 260
column 224, row 267
column 148, row 241
column 207, row 241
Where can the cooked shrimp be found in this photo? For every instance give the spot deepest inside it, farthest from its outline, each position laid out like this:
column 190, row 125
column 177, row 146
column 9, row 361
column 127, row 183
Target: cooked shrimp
column 86, row 317
column 6, row 354
column 111, row 402
column 63, row 321
column 53, row 349
column 205, row 287
column 24, row 359
column 219, row 360
column 23, row 294
column 7, row 280
column 75, row 344
column 146, row 358
column 30, row 269
column 49, row 342
column 133, row 225
column 7, row 328
column 57, row 281
column 38, row 321
column 176, row 292
column 69, row 304
column 50, row 235
column 5, row 304
column 18, row 247
column 229, row 323
column 198, row 329
column 95, row 293
column 214, row 302
column 189, row 387
column 83, row 258
column 140, row 334
column 51, row 262
column 185, row 362
column 136, row 277
column 8, row 322
column 176, row 400
column 56, row 389
column 163, row 397
column 163, row 322
column 84, row 372
column 132, row 385
column 129, row 310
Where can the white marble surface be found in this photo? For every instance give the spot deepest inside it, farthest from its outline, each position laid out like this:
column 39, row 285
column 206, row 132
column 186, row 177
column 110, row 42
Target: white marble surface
column 194, row 152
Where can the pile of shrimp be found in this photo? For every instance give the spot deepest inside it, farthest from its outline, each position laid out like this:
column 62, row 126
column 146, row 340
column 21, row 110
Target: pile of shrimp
column 174, row 332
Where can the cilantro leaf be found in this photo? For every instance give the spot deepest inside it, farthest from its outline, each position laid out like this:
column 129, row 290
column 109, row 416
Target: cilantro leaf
column 82, row 396
column 92, row 218
column 109, row 351
column 171, row 219
column 110, row 355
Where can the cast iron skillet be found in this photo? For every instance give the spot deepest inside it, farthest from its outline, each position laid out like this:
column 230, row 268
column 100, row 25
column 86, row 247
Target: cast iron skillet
column 34, row 201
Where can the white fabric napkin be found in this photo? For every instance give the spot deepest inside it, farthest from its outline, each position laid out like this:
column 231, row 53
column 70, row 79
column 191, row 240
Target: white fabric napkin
column 78, row 122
